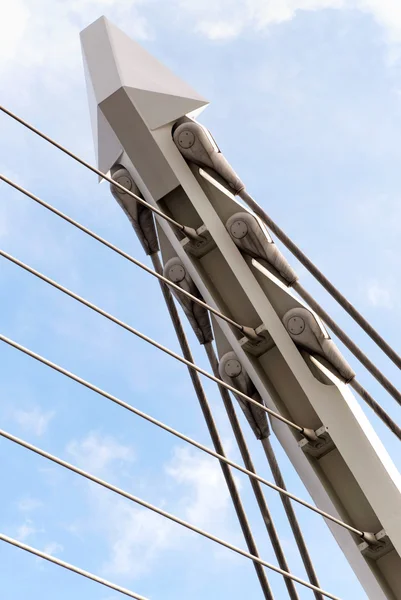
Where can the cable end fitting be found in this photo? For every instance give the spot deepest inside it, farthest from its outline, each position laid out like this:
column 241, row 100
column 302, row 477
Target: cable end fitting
column 251, row 334
column 371, row 539
column 310, row 435
column 192, row 234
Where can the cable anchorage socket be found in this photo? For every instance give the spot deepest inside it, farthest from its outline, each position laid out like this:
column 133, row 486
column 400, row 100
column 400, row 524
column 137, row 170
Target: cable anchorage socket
column 375, row 546
column 259, row 344
column 200, row 244
column 316, row 443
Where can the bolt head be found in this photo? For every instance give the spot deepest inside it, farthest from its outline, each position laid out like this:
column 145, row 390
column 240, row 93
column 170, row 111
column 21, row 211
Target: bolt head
column 233, row 367
column 186, row 139
column 176, row 273
column 296, row 325
column 239, row 229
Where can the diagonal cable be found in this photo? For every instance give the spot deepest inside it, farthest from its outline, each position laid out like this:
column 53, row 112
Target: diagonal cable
column 257, row 489
column 322, row 279
column 125, row 255
column 297, row 252
column 380, row 412
column 57, row 561
column 153, row 508
column 213, row 431
column 144, row 337
column 188, row 231
column 176, row 433
column 346, row 340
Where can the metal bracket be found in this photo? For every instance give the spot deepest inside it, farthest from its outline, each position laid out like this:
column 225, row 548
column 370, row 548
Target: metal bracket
column 376, row 551
column 258, row 347
column 321, row 447
column 201, row 246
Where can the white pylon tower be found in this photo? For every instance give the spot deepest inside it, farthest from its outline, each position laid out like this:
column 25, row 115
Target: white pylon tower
column 143, row 122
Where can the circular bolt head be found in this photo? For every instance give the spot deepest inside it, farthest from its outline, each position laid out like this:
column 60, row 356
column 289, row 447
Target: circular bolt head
column 125, row 182
column 176, row 273
column 186, row 139
column 239, row 229
column 296, row 325
column 233, row 367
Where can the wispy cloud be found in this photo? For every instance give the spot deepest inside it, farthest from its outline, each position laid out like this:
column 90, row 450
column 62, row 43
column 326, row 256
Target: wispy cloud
column 53, row 548
column 34, row 420
column 136, row 537
column 99, row 453
column 207, row 497
column 26, row 530
column 229, row 18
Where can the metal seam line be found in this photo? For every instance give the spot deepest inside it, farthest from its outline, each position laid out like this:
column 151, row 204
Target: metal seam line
column 322, row 279
column 186, row 230
column 68, row 566
column 133, row 260
column 144, row 337
column 174, row 432
column 157, row 510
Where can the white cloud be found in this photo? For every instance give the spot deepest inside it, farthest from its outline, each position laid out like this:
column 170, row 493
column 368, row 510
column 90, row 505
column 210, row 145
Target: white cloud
column 98, row 454
column 379, row 296
column 13, row 25
column 26, row 530
column 229, row 18
column 53, row 548
column 208, row 497
column 51, row 41
column 137, row 537
column 34, row 421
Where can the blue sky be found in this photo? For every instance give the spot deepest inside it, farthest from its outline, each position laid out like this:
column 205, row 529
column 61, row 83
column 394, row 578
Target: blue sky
column 306, row 104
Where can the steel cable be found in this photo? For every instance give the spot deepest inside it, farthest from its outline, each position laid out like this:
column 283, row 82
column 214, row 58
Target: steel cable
column 356, row 351
column 291, row 516
column 153, row 508
column 144, row 337
column 214, row 434
column 53, row 559
column 322, row 279
column 174, row 432
column 246, row 457
column 125, row 255
column 188, row 231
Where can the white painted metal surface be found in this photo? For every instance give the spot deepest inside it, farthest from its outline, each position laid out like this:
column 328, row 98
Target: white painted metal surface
column 135, row 101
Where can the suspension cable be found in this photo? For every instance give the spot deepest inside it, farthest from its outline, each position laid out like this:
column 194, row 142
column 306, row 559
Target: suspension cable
column 380, row 412
column 144, row 337
column 214, row 434
column 256, row 487
column 322, row 279
column 57, row 561
column 290, row 512
column 297, row 252
column 188, row 231
column 153, row 508
column 98, row 238
column 174, row 432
